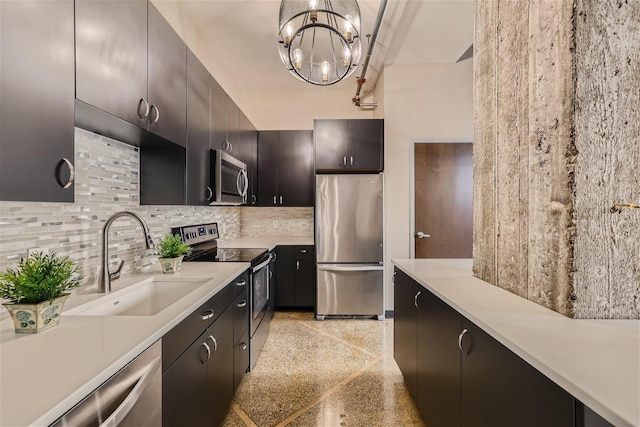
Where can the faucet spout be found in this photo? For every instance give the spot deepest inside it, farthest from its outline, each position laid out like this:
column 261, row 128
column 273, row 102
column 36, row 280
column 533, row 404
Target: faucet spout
column 104, row 280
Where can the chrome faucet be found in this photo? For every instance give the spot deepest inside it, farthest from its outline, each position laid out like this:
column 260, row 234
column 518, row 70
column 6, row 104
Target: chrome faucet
column 104, row 281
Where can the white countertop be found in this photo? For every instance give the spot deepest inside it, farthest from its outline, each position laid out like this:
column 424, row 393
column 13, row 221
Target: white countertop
column 597, row 361
column 44, row 375
column 266, row 242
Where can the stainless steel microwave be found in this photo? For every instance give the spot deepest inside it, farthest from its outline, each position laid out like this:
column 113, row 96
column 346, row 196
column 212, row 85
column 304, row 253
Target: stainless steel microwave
column 229, row 180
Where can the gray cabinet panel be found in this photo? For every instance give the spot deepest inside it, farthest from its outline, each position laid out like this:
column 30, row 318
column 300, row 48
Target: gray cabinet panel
column 167, row 80
column 37, row 93
column 111, row 56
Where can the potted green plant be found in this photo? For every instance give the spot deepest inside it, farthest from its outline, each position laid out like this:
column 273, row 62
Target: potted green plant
column 35, row 291
column 171, row 250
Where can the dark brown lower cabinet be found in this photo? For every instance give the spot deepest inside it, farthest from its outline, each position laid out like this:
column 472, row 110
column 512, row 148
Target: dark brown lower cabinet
column 198, row 388
column 499, row 389
column 438, row 370
column 459, row 375
column 296, row 286
column 405, row 336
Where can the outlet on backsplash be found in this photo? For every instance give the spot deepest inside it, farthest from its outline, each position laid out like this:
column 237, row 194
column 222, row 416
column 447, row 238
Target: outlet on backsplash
column 276, row 224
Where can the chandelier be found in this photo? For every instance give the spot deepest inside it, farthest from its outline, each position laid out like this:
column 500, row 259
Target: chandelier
column 319, row 40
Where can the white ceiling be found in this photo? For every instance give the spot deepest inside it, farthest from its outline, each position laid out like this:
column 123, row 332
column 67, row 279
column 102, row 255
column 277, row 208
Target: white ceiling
column 243, row 35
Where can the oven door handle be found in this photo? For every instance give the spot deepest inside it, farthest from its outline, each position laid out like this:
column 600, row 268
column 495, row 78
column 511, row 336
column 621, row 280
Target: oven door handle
column 261, row 265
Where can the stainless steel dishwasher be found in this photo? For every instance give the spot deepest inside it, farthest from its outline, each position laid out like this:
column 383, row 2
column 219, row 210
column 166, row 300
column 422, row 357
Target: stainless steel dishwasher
column 131, row 397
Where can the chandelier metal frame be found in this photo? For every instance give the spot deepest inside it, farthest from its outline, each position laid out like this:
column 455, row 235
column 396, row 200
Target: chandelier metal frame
column 313, row 60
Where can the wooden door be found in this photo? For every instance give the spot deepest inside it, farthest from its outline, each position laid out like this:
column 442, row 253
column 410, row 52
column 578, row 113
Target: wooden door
column 443, row 200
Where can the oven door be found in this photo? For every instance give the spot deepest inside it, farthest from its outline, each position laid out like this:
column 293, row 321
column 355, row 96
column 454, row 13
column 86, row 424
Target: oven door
column 259, row 292
column 229, row 179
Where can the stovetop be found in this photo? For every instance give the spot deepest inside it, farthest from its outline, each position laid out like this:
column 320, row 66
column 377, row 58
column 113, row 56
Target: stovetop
column 227, row 255
column 203, row 239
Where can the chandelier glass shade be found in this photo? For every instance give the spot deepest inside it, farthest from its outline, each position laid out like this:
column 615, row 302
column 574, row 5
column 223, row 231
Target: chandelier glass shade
column 319, row 40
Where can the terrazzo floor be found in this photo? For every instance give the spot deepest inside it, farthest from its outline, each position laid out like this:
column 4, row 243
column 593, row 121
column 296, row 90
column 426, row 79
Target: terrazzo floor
column 329, row 373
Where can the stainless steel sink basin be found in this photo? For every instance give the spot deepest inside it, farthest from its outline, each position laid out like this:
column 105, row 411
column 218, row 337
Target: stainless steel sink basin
column 145, row 298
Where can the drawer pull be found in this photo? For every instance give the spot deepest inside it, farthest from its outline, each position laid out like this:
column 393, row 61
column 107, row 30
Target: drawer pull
column 208, row 314
column 241, row 304
column 415, row 299
column 303, row 251
column 242, row 283
column 460, row 338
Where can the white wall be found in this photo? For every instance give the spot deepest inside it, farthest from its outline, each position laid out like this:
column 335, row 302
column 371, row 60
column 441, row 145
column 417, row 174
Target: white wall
column 420, row 101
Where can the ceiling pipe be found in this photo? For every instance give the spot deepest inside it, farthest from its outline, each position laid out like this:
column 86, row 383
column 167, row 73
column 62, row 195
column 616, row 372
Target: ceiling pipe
column 372, row 42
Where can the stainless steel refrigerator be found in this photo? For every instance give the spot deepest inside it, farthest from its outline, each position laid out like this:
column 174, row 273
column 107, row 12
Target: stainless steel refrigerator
column 349, row 245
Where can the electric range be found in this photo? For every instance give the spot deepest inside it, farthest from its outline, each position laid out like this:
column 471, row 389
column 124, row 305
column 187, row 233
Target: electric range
column 203, row 239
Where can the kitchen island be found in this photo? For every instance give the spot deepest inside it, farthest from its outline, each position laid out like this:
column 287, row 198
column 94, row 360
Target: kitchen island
column 596, row 361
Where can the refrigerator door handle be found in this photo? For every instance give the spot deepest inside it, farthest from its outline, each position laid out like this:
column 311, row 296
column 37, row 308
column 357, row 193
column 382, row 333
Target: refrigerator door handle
column 350, row 268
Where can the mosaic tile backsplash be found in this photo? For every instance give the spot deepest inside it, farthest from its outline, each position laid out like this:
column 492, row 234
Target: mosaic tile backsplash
column 107, row 181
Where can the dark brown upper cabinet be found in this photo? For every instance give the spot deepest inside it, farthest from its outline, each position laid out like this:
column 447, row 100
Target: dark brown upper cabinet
column 167, row 80
column 199, row 190
column 225, row 121
column 131, row 64
column 285, row 168
column 349, row 146
column 248, row 153
column 111, row 57
column 37, row 107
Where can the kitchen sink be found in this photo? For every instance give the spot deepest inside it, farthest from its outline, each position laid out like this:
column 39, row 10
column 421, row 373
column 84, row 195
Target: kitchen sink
column 146, row 298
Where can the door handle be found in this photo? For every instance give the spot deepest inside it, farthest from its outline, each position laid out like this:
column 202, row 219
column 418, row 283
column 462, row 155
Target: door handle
column 297, row 265
column 72, row 173
column 421, row 235
column 460, row 346
column 209, row 192
column 143, row 114
column 415, row 300
column 275, row 200
column 344, row 161
column 351, row 161
column 241, row 304
column 280, row 199
column 155, row 120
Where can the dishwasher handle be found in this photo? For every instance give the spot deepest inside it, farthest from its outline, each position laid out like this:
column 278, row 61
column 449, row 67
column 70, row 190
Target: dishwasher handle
column 128, row 403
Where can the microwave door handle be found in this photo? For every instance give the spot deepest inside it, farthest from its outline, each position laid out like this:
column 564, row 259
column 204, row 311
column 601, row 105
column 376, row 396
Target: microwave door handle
column 245, row 188
column 238, row 182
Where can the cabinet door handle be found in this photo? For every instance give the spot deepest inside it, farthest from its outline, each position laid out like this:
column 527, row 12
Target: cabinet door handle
column 208, row 314
column 280, row 199
column 275, row 200
column 215, row 343
column 153, row 107
column 210, row 193
column 270, row 274
column 145, row 113
column 230, row 147
column 72, row 173
column 351, row 161
column 241, row 304
column 303, row 251
column 297, row 265
column 253, row 199
column 393, row 277
column 206, row 347
column 460, row 346
column 241, row 283
column 415, row 299
column 344, row 161
column 243, row 346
